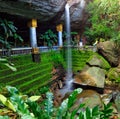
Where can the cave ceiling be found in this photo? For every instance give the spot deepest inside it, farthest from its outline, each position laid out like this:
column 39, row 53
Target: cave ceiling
column 48, row 13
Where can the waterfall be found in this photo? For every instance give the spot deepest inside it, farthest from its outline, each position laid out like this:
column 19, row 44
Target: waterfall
column 69, row 79
column 68, row 39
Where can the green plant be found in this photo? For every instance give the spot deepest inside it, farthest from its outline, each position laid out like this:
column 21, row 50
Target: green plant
column 104, row 20
column 4, row 117
column 5, row 62
column 30, row 109
column 46, row 109
column 64, row 109
column 57, row 58
column 49, row 104
column 18, row 102
column 49, row 37
column 8, row 30
column 72, row 41
column 96, row 113
column 7, row 102
column 90, row 113
column 43, row 90
column 106, row 112
column 36, row 110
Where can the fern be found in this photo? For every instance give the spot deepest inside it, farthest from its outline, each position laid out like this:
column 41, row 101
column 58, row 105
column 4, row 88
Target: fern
column 64, row 109
column 28, row 109
column 35, row 109
column 49, row 104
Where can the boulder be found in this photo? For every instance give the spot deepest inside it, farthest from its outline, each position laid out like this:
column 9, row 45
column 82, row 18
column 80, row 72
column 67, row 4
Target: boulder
column 88, row 97
column 114, row 74
column 110, row 51
column 84, row 78
column 93, row 76
column 98, row 61
column 98, row 74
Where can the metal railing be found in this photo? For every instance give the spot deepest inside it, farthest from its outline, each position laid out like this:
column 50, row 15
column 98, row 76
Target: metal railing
column 25, row 50
column 28, row 50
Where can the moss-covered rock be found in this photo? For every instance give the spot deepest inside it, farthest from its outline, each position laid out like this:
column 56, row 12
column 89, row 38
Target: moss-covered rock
column 114, row 74
column 88, row 97
column 99, row 61
column 110, row 50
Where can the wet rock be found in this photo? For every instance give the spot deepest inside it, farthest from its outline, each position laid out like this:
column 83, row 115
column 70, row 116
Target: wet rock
column 94, row 72
column 112, row 96
column 106, row 98
column 54, row 86
column 98, row 74
column 88, row 97
column 114, row 74
column 117, row 100
column 58, row 72
column 60, row 84
column 98, row 61
column 84, row 78
column 110, row 51
column 57, row 98
column 93, row 76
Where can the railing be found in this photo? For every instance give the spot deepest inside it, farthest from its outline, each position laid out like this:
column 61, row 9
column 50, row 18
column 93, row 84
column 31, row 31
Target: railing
column 24, row 50
column 27, row 50
column 15, row 51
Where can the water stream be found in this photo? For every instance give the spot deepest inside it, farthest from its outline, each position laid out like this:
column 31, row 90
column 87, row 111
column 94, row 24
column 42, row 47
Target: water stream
column 68, row 39
column 69, row 79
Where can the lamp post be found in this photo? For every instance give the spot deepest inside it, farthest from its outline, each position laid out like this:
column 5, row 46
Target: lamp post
column 33, row 40
column 59, row 30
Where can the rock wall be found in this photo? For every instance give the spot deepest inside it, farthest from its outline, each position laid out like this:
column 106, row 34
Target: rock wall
column 51, row 11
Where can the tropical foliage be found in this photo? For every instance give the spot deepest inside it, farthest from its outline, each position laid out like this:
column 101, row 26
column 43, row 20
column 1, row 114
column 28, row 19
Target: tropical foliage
column 4, row 61
column 49, row 37
column 27, row 108
column 72, row 40
column 7, row 30
column 104, row 20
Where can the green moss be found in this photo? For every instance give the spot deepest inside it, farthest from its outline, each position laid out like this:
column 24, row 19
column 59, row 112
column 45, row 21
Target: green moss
column 114, row 74
column 29, row 74
column 79, row 59
column 99, row 60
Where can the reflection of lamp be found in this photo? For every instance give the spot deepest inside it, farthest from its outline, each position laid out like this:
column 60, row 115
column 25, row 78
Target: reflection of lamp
column 60, row 29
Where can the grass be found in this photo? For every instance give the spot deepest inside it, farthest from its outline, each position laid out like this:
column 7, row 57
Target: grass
column 79, row 59
column 30, row 75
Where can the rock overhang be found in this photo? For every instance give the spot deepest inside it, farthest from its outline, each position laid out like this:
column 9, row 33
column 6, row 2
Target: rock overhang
column 51, row 11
